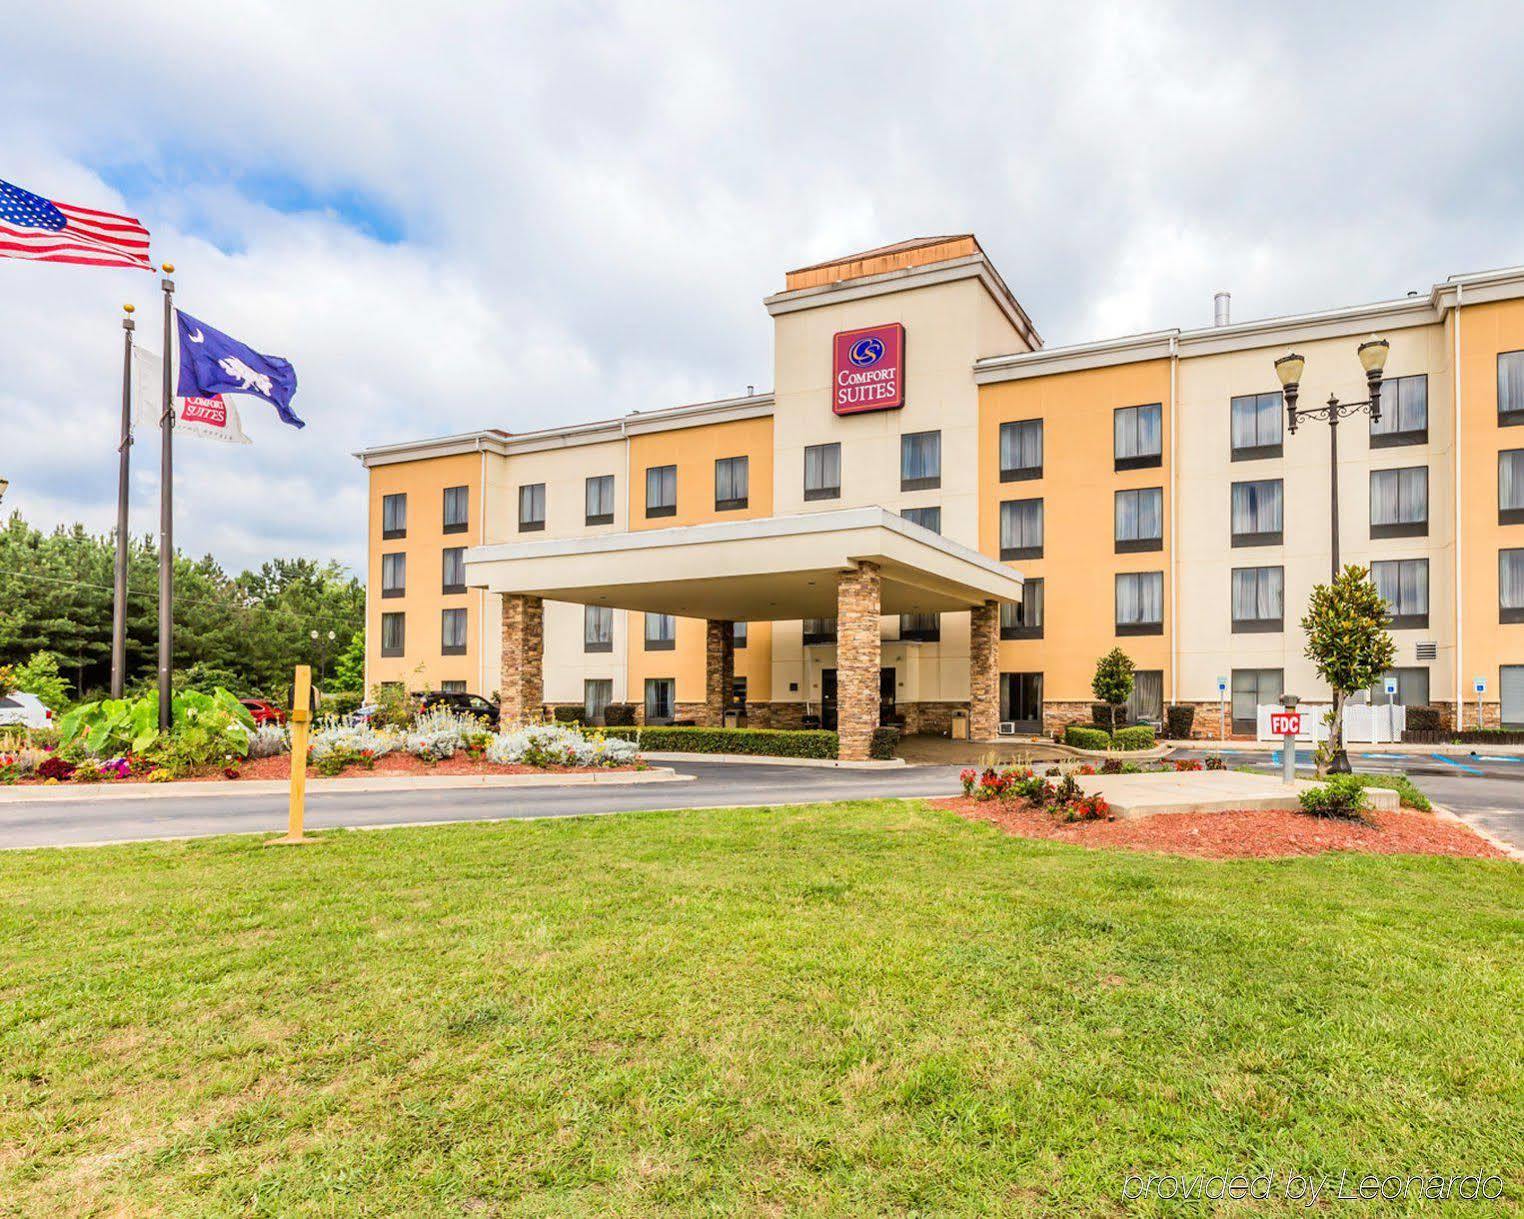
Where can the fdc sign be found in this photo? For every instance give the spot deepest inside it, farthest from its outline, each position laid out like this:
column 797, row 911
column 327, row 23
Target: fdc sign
column 1285, row 723
column 869, row 370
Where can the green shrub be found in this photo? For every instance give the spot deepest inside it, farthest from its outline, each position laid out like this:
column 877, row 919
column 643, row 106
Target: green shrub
column 39, row 676
column 619, row 715
column 1179, row 721
column 885, row 741
column 395, row 708
column 340, row 703
column 1087, row 738
column 114, row 727
column 566, row 715
column 1408, row 794
column 1425, row 719
column 1342, row 796
column 756, row 742
column 1139, row 736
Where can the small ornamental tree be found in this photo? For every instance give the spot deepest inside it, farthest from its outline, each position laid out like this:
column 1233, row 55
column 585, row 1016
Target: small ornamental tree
column 1347, row 640
column 349, row 669
column 40, row 676
column 1112, row 683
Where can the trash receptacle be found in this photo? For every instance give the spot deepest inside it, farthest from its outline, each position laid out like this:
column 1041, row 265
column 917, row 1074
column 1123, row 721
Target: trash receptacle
column 960, row 725
column 732, row 719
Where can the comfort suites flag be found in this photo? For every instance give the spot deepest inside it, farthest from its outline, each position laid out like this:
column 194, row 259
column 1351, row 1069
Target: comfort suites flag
column 211, row 417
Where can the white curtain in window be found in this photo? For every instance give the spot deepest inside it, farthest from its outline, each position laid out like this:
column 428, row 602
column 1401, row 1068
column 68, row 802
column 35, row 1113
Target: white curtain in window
column 1403, row 584
column 822, row 467
column 921, row 455
column 1256, row 420
column 730, row 478
column 1140, row 514
column 1021, row 445
column 1511, row 579
column 600, row 495
column 1258, row 594
column 1020, row 524
column 1400, row 497
column 1511, row 381
column 1511, row 479
column 1140, row 598
column 1404, row 406
column 1138, row 431
column 1257, row 507
column 597, row 694
column 661, row 487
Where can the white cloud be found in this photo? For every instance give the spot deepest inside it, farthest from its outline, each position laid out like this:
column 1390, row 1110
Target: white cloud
column 593, row 198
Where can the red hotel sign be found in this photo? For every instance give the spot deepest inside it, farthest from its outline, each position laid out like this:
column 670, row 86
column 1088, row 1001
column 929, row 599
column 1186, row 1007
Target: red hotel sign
column 869, row 371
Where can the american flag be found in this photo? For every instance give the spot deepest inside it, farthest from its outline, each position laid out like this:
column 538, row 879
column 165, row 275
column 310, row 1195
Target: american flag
column 41, row 230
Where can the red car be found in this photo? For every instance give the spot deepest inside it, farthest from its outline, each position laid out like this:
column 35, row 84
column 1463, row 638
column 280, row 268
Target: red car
column 263, row 711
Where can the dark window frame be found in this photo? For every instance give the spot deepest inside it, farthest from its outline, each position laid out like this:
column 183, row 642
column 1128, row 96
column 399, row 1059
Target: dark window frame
column 922, row 634
column 738, row 636
column 1508, row 516
column 454, row 649
column 1511, row 613
column 1026, row 552
column 936, row 508
column 598, row 518
column 1021, row 474
column 1025, row 630
column 1399, row 529
column 1143, row 461
column 399, row 648
column 393, row 534
column 1269, row 537
column 460, row 526
column 1136, row 545
column 1406, row 622
column 1255, row 452
column 818, row 637
column 1258, row 626
column 532, row 524
column 1395, row 440
column 658, row 644
column 399, row 590
column 597, row 645
column 659, row 510
column 734, row 504
column 1137, row 628
column 929, row 482
column 824, row 491
column 1515, row 416
column 445, row 587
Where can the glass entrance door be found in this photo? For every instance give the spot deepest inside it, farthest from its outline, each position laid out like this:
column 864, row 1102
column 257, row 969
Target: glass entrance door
column 828, row 699
column 1021, row 700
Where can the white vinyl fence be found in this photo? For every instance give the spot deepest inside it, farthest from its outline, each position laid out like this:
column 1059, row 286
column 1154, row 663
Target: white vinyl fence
column 1363, row 724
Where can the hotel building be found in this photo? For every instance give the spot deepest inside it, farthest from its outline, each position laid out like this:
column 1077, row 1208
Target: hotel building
column 933, row 515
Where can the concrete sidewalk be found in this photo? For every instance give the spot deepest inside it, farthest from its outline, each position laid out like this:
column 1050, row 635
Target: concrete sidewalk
column 1206, row 791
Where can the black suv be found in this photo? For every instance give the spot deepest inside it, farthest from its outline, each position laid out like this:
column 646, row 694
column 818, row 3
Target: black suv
column 466, row 704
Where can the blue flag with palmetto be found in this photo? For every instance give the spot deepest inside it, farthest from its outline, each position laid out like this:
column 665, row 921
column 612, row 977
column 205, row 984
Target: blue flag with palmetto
column 214, row 363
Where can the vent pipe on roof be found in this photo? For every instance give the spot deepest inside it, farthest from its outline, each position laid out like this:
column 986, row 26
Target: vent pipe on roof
column 1220, row 303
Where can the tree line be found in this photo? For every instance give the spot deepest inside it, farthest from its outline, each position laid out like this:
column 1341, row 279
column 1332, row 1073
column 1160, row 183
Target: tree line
column 244, row 632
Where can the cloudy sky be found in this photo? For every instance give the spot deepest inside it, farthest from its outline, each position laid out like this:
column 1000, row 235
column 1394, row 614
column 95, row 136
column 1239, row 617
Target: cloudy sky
column 457, row 215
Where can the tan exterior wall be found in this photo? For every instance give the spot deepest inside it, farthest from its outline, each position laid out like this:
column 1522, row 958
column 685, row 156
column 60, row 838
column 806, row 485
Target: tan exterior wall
column 1078, row 566
column 423, row 666
column 1486, row 330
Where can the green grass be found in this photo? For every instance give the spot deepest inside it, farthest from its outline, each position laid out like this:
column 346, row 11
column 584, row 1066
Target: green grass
column 845, row 1009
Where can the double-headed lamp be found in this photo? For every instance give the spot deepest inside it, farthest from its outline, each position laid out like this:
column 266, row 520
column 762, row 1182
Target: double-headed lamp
column 1373, row 353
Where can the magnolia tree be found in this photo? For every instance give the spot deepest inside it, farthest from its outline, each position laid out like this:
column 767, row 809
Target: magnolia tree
column 1347, row 640
column 1112, row 683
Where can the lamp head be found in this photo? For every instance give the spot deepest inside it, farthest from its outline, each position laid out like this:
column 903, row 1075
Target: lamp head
column 1289, row 369
column 1373, row 353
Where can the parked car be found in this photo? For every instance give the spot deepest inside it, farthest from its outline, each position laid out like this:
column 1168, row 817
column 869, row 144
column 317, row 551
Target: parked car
column 263, row 711
column 24, row 711
column 466, row 704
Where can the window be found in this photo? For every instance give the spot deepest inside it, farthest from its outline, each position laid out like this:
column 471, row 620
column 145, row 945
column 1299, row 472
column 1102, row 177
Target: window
column 661, row 632
column 597, row 628
column 1511, row 487
column 1259, row 599
column 923, row 628
column 1023, row 619
column 737, row 635
column 531, row 507
column 600, row 500
column 1020, row 450
column 1253, row 689
column 738, row 694
column 393, row 516
column 453, row 632
column 1021, row 529
column 822, row 471
column 1256, row 513
column 820, row 630
column 454, row 574
column 1511, row 695
column 731, row 483
column 661, row 696
column 393, row 634
column 1400, row 502
column 1140, row 520
column 1404, row 413
column 1511, row 586
column 1138, row 437
column 920, row 461
column 597, row 694
column 1256, row 426
column 456, row 508
column 452, row 687
column 1140, row 603
column 1404, row 583
column 1021, row 700
column 926, row 518
column 1412, row 688
column 393, row 575
column 1146, row 702
column 661, row 491
column 1510, row 388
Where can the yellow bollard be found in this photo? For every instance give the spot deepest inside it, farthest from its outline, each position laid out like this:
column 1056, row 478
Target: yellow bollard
column 301, row 718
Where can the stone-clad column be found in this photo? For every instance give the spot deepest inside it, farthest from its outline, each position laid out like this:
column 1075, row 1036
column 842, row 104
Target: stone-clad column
column 719, row 670
column 859, row 652
column 984, row 672
column 523, row 679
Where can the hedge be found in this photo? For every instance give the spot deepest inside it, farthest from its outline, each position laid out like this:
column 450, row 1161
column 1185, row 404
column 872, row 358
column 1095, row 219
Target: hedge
column 883, row 744
column 1178, row 721
column 567, row 715
column 1139, row 736
column 1087, row 738
column 758, row 742
column 1425, row 719
column 619, row 714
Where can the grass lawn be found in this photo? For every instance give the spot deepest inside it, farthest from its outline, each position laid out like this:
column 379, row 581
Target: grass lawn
column 845, row 1009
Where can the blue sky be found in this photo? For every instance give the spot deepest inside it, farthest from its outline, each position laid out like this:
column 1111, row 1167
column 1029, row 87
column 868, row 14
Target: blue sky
column 457, row 216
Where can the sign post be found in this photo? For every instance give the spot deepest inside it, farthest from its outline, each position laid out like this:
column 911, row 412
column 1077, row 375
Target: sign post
column 1289, row 724
column 1481, row 688
column 1222, row 708
column 301, row 717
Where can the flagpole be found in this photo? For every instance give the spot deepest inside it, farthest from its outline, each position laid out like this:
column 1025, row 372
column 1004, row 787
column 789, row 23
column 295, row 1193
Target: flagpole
column 167, row 513
column 119, row 602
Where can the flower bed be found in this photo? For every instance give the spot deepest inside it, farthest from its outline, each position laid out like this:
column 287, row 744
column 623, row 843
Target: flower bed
column 1238, row 835
column 1060, row 799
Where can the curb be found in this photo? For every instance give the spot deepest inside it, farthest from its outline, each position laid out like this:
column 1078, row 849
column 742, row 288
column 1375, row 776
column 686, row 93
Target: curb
column 767, row 760
column 1512, row 852
column 269, row 787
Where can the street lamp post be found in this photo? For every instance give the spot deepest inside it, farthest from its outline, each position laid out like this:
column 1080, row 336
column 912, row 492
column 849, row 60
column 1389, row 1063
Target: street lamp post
column 1288, row 368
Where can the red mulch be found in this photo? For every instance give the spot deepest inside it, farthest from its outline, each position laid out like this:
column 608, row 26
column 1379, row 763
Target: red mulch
column 1239, row 835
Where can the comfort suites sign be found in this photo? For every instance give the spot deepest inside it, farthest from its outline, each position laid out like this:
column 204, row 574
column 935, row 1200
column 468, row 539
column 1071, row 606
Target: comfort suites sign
column 869, row 370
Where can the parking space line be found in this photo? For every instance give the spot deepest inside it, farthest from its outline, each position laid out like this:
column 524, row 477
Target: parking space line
column 1470, row 770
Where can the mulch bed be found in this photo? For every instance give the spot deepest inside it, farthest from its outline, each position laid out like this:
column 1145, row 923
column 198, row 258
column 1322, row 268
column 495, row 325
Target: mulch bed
column 1239, row 835
column 392, row 764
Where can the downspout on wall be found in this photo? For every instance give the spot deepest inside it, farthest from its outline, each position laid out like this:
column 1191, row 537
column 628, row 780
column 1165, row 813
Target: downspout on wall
column 1460, row 645
column 1174, row 516
column 481, row 616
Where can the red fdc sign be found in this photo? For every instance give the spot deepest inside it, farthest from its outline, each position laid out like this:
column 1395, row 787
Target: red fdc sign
column 1285, row 723
column 869, row 370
